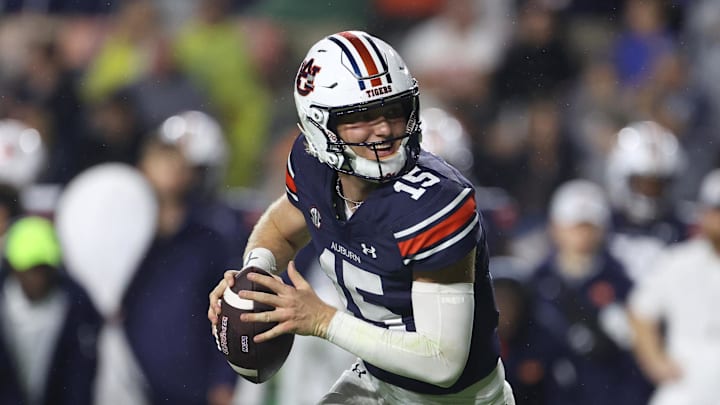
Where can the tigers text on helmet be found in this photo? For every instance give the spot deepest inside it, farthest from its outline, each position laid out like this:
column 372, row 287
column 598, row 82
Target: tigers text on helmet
column 351, row 72
column 643, row 150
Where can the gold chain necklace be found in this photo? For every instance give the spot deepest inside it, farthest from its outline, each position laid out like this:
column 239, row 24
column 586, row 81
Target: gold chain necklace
column 338, row 189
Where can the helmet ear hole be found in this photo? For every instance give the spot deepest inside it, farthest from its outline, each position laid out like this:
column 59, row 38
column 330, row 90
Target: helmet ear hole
column 316, row 115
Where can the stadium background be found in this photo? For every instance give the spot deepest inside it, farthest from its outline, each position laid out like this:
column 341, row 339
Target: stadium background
column 522, row 96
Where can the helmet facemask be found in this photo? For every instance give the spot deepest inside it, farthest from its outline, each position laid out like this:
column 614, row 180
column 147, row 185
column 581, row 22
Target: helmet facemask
column 341, row 157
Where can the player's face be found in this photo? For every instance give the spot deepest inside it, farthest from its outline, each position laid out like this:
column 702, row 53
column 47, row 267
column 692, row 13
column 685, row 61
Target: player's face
column 650, row 186
column 383, row 124
column 37, row 282
column 579, row 239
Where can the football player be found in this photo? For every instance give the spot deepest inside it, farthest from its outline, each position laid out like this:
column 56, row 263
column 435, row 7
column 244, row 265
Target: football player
column 395, row 228
column 642, row 168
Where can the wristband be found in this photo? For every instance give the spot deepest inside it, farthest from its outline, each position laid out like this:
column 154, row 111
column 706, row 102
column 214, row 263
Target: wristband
column 262, row 258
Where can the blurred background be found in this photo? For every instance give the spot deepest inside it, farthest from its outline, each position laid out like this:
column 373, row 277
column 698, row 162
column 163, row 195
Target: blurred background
column 194, row 96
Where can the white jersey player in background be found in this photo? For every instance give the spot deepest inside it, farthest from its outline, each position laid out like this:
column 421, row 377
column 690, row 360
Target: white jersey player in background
column 682, row 294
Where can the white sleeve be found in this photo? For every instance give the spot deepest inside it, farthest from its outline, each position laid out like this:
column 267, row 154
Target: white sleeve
column 436, row 353
column 649, row 295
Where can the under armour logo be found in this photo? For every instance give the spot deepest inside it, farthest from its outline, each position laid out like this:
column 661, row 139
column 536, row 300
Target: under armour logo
column 357, row 370
column 369, row 250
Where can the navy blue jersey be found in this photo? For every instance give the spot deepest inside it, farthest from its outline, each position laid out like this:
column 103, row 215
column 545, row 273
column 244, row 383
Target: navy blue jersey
column 424, row 221
column 573, row 310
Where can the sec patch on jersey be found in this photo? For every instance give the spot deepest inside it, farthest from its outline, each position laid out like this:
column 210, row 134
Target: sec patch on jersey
column 256, row 362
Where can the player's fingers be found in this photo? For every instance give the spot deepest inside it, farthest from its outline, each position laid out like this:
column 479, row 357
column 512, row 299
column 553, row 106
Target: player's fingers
column 216, row 294
column 261, row 297
column 229, row 277
column 274, row 332
column 297, row 279
column 264, row 317
column 275, row 284
column 212, row 317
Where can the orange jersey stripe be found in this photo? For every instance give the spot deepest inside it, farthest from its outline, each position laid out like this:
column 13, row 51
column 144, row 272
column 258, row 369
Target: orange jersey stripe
column 365, row 55
column 447, row 227
column 290, row 182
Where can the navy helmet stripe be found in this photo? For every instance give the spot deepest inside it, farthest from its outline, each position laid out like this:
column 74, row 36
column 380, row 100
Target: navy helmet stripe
column 354, row 64
column 380, row 57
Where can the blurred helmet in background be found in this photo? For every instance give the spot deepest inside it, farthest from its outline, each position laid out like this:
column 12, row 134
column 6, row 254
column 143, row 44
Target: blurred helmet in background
column 202, row 141
column 579, row 202
column 351, row 72
column 445, row 136
column 642, row 167
column 22, row 154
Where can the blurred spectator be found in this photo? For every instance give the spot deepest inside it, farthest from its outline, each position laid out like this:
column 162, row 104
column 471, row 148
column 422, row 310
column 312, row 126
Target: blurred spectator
column 455, row 52
column 164, row 305
column 500, row 212
column 644, row 39
column 124, row 54
column 9, row 210
column 644, row 165
column 581, row 291
column 596, row 112
column 56, row 6
column 538, row 62
column 682, row 296
column 393, row 18
column 202, row 142
column 305, row 22
column 679, row 104
column 113, row 134
column 528, row 153
column 45, row 97
column 49, row 326
column 702, row 31
column 212, row 50
column 537, row 363
column 164, row 90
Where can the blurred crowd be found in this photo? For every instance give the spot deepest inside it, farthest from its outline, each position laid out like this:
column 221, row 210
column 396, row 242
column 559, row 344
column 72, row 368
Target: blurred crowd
column 590, row 129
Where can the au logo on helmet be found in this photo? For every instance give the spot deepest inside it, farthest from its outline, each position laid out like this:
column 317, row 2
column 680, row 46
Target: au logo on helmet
column 306, row 77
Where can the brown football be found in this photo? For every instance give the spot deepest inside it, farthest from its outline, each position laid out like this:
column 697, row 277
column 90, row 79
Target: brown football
column 256, row 362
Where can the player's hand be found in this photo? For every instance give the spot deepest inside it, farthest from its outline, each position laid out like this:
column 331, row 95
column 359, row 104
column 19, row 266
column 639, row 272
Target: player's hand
column 298, row 309
column 664, row 371
column 214, row 309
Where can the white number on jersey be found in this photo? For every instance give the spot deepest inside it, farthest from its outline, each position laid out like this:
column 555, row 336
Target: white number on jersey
column 355, row 279
column 415, row 176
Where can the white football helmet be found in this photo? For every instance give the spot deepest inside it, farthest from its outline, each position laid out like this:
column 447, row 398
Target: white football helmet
column 202, row 141
column 444, row 135
column 348, row 72
column 643, row 149
column 22, row 154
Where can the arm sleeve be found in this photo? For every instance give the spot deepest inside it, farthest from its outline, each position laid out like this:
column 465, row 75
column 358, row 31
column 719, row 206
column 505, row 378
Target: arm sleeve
column 648, row 297
column 435, row 353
